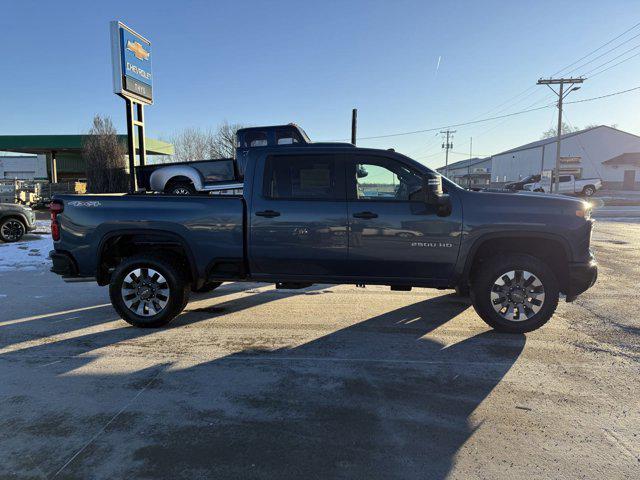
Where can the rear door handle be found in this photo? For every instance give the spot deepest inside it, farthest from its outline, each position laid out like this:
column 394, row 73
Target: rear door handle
column 365, row 215
column 268, row 213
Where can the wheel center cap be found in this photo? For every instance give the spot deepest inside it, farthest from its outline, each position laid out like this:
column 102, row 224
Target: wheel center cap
column 145, row 293
column 518, row 296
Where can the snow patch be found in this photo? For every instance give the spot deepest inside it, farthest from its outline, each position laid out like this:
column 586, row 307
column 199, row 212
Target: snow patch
column 31, row 253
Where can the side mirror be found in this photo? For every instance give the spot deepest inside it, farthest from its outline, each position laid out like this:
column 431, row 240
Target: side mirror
column 436, row 196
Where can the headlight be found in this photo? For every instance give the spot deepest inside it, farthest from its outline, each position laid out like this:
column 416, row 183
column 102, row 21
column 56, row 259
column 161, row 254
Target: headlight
column 585, row 211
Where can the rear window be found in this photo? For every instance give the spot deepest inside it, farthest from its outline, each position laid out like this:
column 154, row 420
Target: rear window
column 302, row 177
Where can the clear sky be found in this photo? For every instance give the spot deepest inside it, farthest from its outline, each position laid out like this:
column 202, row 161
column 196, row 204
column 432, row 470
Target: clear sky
column 311, row 62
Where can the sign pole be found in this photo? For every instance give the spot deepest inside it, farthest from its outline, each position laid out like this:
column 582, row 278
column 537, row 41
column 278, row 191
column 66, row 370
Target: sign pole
column 131, row 146
column 133, row 81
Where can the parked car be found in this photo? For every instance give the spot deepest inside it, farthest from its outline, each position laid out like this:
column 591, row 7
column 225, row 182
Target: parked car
column 223, row 175
column 15, row 221
column 314, row 213
column 519, row 185
column 568, row 185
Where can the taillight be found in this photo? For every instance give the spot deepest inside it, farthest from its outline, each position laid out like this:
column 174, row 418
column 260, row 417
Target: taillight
column 55, row 208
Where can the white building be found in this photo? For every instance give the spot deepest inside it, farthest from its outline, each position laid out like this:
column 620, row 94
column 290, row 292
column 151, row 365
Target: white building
column 598, row 152
column 32, row 167
column 474, row 172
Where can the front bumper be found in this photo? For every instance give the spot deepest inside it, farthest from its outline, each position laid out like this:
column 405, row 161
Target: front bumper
column 31, row 220
column 582, row 276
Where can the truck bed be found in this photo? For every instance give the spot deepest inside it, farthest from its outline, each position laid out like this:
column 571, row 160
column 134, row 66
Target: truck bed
column 211, row 227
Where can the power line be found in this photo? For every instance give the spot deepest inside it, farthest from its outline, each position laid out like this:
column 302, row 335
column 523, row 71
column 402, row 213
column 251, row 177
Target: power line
column 450, row 125
column 491, row 118
column 597, row 49
column 614, row 65
column 612, row 59
column 532, row 87
column 605, row 96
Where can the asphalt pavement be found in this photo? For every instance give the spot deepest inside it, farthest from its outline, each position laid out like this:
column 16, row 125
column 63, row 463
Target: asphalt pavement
column 325, row 382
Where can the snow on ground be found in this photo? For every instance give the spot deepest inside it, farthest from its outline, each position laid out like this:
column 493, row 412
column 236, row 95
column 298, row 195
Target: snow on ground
column 31, row 253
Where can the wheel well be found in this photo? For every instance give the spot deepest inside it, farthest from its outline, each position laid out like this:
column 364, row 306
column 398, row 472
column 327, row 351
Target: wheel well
column 14, row 216
column 550, row 251
column 115, row 249
column 178, row 179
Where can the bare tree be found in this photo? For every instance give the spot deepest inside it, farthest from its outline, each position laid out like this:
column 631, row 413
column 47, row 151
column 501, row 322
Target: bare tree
column 195, row 144
column 105, row 158
column 553, row 132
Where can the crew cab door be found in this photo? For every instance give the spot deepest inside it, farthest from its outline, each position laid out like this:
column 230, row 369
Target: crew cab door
column 392, row 231
column 298, row 216
column 567, row 184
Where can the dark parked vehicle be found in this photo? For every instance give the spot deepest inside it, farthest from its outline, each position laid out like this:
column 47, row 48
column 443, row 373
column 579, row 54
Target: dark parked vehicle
column 217, row 175
column 519, row 185
column 15, row 221
column 330, row 213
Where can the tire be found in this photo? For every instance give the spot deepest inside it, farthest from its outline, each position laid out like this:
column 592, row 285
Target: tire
column 208, row 287
column 462, row 290
column 589, row 191
column 154, row 303
column 12, row 230
column 180, row 188
column 519, row 300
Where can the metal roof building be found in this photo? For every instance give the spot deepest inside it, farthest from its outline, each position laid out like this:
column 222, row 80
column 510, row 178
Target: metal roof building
column 598, row 152
column 473, row 172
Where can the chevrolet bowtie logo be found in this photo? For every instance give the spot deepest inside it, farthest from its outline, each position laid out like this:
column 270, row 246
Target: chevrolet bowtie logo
column 138, row 50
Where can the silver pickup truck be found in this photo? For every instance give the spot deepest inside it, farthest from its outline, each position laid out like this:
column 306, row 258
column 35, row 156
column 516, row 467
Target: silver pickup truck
column 569, row 184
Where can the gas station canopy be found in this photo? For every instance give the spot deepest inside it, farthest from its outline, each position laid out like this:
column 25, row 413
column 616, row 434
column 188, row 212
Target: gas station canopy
column 64, row 152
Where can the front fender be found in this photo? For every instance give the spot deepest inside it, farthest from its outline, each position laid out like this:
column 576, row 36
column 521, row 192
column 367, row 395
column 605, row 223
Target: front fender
column 161, row 177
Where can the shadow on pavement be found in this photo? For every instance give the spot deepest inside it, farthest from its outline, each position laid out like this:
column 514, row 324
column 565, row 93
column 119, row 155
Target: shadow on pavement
column 379, row 399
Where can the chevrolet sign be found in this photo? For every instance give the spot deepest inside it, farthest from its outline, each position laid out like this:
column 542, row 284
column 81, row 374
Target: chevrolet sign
column 131, row 58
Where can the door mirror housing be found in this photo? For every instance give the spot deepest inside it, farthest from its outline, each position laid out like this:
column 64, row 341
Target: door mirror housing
column 434, row 194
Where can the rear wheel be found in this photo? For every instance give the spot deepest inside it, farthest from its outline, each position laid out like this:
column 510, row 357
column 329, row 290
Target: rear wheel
column 589, row 191
column 515, row 293
column 148, row 291
column 11, row 230
column 180, row 188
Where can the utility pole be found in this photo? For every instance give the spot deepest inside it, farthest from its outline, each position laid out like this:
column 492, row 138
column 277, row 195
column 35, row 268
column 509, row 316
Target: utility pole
column 354, row 125
column 447, row 145
column 561, row 96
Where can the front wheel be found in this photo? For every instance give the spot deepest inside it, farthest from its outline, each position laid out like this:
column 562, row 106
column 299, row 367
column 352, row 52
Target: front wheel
column 148, row 291
column 515, row 293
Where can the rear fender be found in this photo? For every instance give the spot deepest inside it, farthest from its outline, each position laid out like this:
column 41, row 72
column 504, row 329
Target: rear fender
column 161, row 177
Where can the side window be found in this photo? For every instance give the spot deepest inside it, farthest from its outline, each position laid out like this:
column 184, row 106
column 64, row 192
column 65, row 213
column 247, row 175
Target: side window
column 254, row 139
column 386, row 180
column 302, row 177
column 287, row 136
column 565, row 178
column 216, row 171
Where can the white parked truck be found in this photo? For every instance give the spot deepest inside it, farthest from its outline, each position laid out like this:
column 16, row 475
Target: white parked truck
column 569, row 184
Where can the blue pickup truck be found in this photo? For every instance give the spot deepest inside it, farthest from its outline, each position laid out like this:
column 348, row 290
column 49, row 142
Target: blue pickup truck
column 330, row 213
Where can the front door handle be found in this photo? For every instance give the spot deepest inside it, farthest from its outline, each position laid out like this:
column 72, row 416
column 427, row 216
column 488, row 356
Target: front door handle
column 268, row 213
column 365, row 215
